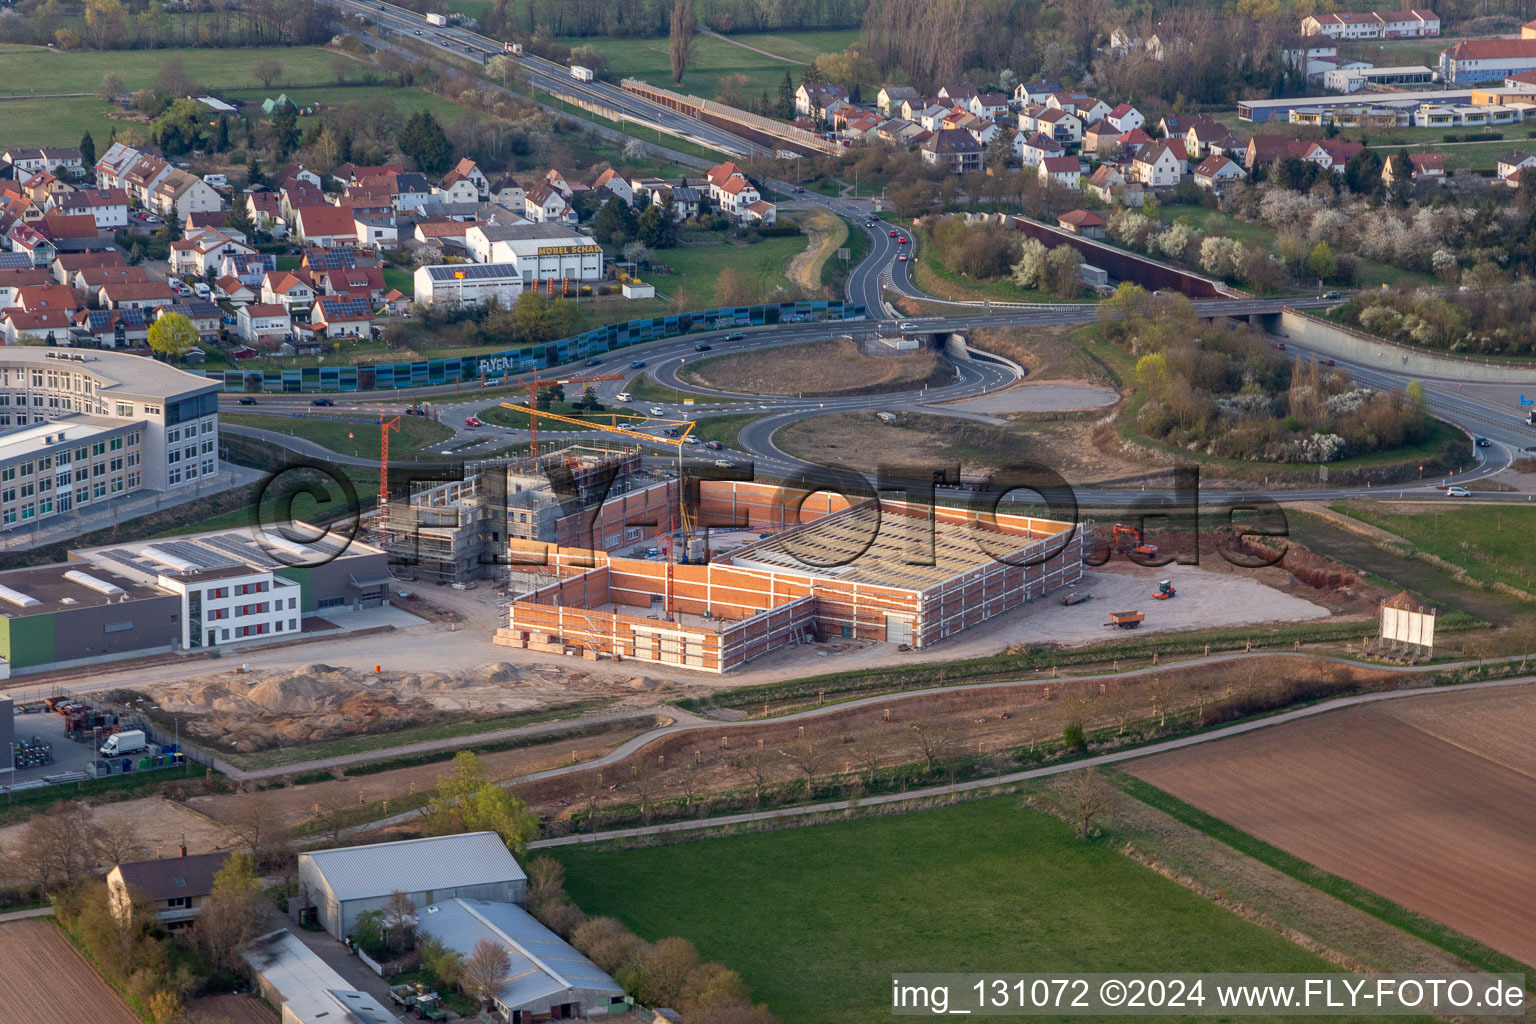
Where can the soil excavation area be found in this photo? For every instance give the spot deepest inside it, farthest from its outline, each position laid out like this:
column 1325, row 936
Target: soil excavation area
column 1429, row 801
column 44, row 978
column 829, row 368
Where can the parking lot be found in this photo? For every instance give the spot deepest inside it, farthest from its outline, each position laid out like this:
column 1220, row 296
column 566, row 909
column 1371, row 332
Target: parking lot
column 68, row 755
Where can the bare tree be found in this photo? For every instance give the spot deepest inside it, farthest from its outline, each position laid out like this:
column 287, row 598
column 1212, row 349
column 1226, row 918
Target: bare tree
column 812, row 760
column 110, row 88
column 55, row 847
column 330, row 808
column 680, row 38
column 642, row 784
column 691, row 776
column 267, row 70
column 932, row 741
column 869, row 756
column 259, row 828
column 399, row 918
column 592, row 795
column 757, row 765
column 1085, row 795
column 232, row 915
column 117, row 841
column 485, row 971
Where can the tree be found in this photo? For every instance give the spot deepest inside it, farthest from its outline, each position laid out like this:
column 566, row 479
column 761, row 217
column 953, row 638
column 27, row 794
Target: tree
column 546, row 879
column 118, row 840
column 239, row 218
column 680, row 38
column 423, row 140
column 465, row 801
column 1086, row 796
column 443, row 963
column 267, row 70
column 638, row 253
column 931, row 741
column 164, row 1006
column 656, row 228
column 54, row 847
column 398, row 918
column 232, row 916
column 258, row 828
column 1026, row 272
column 1416, row 395
column 283, row 130
column 87, row 150
column 172, row 80
column 615, row 222
column 1321, row 262
column 607, row 943
column 1062, row 275
column 665, row 966
column 111, row 87
column 485, row 971
column 505, row 70
column 172, row 336
column 1073, row 738
column 1152, row 371
column 787, row 98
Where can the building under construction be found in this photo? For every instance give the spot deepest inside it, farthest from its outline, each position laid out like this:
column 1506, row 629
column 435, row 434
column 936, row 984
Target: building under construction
column 462, row 530
column 824, row 567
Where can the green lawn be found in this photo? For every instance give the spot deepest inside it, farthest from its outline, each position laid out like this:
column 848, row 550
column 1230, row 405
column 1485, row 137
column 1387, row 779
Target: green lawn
column 697, row 268
column 931, row 276
column 723, row 428
column 712, row 59
column 817, row 919
column 358, row 436
column 1492, row 543
column 1372, row 274
column 401, row 279
column 35, row 69
column 1469, row 156
column 518, row 419
column 405, row 101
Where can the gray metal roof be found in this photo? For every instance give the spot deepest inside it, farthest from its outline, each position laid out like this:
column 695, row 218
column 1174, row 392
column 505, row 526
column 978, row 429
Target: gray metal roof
column 311, row 991
column 127, row 373
column 544, row 966
column 416, row 865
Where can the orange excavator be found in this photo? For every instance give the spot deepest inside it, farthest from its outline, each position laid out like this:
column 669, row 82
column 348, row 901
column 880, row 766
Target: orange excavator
column 1128, row 539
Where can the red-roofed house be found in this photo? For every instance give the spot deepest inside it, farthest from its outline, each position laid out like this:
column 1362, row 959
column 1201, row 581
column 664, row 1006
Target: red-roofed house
column 1217, row 171
column 263, row 320
column 1082, row 222
column 324, row 225
column 235, row 290
column 136, row 295
column 356, row 282
column 53, row 323
column 283, row 287
column 38, row 297
column 60, row 227
column 1063, row 170
column 1421, row 167
column 341, row 317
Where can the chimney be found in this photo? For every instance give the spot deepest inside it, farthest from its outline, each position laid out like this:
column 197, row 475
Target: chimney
column 183, row 846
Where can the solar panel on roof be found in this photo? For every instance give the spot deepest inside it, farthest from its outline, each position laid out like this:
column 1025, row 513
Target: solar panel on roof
column 473, row 271
column 337, row 308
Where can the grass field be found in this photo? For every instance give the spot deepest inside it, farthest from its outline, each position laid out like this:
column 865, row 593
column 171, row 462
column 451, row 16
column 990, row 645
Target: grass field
column 1465, row 156
column 723, row 428
column 713, row 59
column 932, row 277
column 35, row 69
column 518, row 419
column 697, row 268
column 816, row 919
column 349, row 437
column 834, row 367
column 1492, row 543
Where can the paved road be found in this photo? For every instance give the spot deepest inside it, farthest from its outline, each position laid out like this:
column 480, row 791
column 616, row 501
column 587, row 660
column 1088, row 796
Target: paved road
column 976, row 785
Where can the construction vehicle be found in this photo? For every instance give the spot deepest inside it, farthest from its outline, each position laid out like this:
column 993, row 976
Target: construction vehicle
column 1128, row 539
column 1125, row 620
column 1164, row 590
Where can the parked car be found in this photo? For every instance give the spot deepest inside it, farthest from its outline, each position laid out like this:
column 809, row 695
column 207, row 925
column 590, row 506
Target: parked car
column 703, row 346
column 322, row 401
column 1457, row 492
column 472, row 421
column 247, row 401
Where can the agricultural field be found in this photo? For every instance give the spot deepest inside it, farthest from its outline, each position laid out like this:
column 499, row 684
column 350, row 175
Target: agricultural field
column 1492, row 542
column 713, row 59
column 47, row 71
column 814, row 919
column 830, row 368
column 45, row 978
column 759, row 267
column 1437, row 812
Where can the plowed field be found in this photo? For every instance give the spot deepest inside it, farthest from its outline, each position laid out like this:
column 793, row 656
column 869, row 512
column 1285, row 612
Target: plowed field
column 44, row 978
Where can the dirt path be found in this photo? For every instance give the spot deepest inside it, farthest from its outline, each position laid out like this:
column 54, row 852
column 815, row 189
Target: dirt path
column 828, row 232
column 744, row 46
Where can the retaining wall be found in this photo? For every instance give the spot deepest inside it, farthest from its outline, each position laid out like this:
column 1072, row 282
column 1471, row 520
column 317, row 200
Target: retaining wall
column 1367, row 350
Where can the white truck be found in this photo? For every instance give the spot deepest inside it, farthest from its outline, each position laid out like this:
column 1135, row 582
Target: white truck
column 580, row 73
column 515, row 49
column 439, row 20
column 129, row 741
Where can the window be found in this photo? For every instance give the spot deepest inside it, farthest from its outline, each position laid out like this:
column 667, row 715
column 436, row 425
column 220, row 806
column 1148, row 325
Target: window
column 174, row 457
column 82, row 474
column 8, row 474
column 99, row 469
column 190, row 453
column 28, row 512
column 207, row 467
column 191, row 472
column 133, row 480
column 117, row 485
column 133, row 439
column 125, row 409
column 44, row 464
column 214, row 593
column 99, row 490
column 98, row 448
column 179, row 903
column 172, row 436
column 117, row 464
column 208, row 447
column 44, row 506
column 81, row 454
column 174, row 477
column 8, row 495
column 26, row 469
column 208, row 426
column 292, row 603
column 28, row 489
column 9, row 517
column 116, row 444
column 293, row 623
column 133, row 459
column 63, row 459
column 82, row 495
column 117, row 627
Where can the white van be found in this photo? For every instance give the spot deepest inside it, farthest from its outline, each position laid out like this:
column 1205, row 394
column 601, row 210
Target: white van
column 623, row 396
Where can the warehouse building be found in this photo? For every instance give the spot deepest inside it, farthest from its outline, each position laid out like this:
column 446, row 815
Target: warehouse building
column 548, row 980
column 83, row 428
column 304, row 988
column 509, row 260
column 337, row 885
column 199, row 591
column 829, row 567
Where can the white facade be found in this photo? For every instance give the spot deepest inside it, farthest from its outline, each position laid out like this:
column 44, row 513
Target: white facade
column 230, row 606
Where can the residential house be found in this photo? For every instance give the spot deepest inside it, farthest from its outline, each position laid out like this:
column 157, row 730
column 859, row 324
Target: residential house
column 991, row 105
column 395, row 302
column 1110, row 184
column 1421, row 167
column 38, row 297
column 51, row 326
column 890, row 97
column 1125, row 117
column 351, row 174
column 1099, row 139
column 1202, row 135
column 1033, row 92
column 107, row 327
column 266, row 212
column 298, row 195
column 813, row 101
column 436, row 228
column 1121, row 42
column 1264, row 150
column 173, row 889
column 1347, row 25
column 461, row 190
column 1172, row 125
column 615, row 183
column 71, row 233
column 353, row 282
column 932, row 117
column 324, row 225
column 1216, row 172
column 1156, row 166
column 235, row 290
column 51, row 159
column 291, row 173
column 1084, row 223
column 682, row 200
column 194, row 224
column 249, row 269
column 1064, row 127
column 1329, row 154
column 1085, row 108
column 467, row 170
column 1509, row 163
column 544, row 204
column 1132, row 141
column 114, row 164
column 65, row 266
column 179, row 193
column 284, row 287
column 508, row 193
column 88, row 281
column 1063, row 170
column 1472, row 61
column 342, row 316
column 376, row 231
column 760, row 212
column 43, row 188
column 956, row 95
column 204, row 254
column 957, row 151
column 25, row 238
column 263, row 320
column 140, row 295
column 1036, row 148
column 736, row 194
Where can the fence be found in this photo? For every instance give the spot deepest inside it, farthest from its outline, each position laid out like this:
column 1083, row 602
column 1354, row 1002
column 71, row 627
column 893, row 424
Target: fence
column 389, row 376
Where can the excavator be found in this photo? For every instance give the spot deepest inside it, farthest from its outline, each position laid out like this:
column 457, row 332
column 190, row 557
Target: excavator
column 1128, row 539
